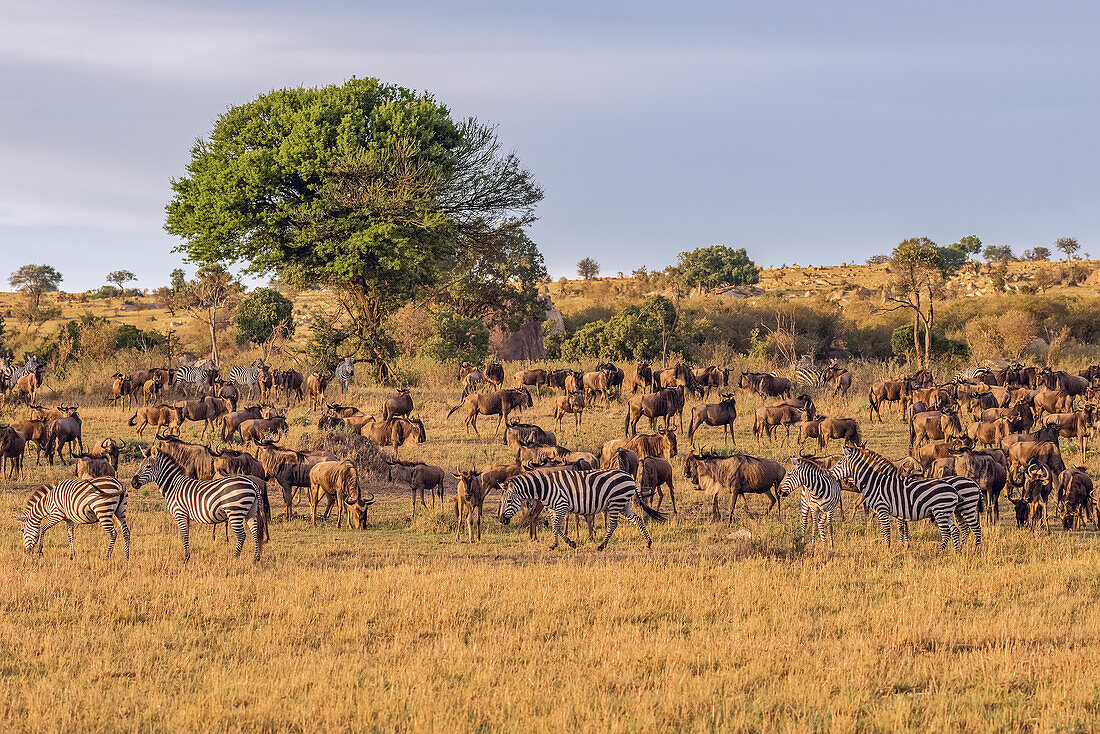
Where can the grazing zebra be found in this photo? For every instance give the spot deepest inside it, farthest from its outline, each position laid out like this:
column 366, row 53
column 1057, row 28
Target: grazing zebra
column 804, row 374
column 101, row 500
column 12, row 373
column 247, row 376
column 581, row 492
column 820, row 494
column 967, row 514
column 234, row 499
column 887, row 493
column 193, row 375
column 344, row 372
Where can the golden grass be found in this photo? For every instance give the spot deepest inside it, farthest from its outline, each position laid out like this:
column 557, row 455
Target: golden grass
column 401, row 626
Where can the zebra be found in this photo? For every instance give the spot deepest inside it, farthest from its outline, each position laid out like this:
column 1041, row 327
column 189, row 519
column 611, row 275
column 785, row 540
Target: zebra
column 233, row 499
column 12, row 373
column 248, row 376
column 101, row 500
column 888, row 494
column 193, row 375
column 820, row 494
column 967, row 514
column 581, row 492
column 344, row 372
column 804, row 374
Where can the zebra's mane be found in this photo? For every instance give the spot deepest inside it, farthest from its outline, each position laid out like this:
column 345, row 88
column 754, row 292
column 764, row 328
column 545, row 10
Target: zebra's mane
column 876, row 461
column 36, row 496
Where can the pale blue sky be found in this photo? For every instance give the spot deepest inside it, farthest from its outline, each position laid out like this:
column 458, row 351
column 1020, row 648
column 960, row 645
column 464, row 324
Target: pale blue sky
column 804, row 132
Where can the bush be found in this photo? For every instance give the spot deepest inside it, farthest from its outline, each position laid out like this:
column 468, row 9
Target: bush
column 264, row 314
column 459, row 338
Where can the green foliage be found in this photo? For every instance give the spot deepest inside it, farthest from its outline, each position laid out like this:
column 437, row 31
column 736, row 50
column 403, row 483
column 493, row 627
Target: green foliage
column 716, row 266
column 131, row 337
column 998, row 253
column 901, row 343
column 636, row 332
column 120, row 277
column 366, row 188
column 552, row 338
column 35, row 279
column 459, row 338
column 878, row 259
column 923, row 252
column 105, row 292
column 1037, row 254
column 323, row 345
column 970, row 245
column 179, row 280
column 263, row 314
column 1068, row 245
column 588, row 268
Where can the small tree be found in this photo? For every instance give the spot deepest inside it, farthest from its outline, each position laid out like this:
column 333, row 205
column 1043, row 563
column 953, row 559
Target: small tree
column 1067, row 245
column 459, row 338
column 588, row 268
column 264, row 316
column 998, row 254
column 1037, row 254
column 120, row 277
column 716, row 266
column 179, row 280
column 210, row 298
column 34, row 281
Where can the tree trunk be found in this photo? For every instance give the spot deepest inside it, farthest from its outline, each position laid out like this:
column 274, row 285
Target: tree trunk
column 214, row 335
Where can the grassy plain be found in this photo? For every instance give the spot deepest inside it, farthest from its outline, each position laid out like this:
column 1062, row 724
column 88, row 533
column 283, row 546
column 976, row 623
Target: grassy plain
column 403, row 626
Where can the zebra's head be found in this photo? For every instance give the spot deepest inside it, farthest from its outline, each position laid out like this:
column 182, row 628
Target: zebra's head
column 787, row 485
column 511, row 501
column 33, row 514
column 151, row 469
column 845, row 469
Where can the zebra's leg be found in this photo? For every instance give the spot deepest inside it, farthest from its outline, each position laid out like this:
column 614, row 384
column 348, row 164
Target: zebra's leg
column 49, row 523
column 612, row 523
column 827, row 522
column 559, row 520
column 121, row 520
column 236, row 521
column 884, row 526
column 106, row 521
column 903, row 532
column 973, row 518
column 72, row 549
column 640, row 522
column 183, row 523
column 805, row 517
column 948, row 530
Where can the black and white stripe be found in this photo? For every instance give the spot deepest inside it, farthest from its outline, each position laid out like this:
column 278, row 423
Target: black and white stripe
column 101, row 500
column 889, row 494
column 806, row 375
column 581, row 492
column 12, row 373
column 344, row 372
column 192, row 376
column 820, row 494
column 235, row 500
column 246, row 376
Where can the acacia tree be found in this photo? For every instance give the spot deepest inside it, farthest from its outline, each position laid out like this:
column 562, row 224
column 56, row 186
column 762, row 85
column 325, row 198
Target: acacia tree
column 588, row 268
column 34, row 282
column 1068, row 245
column 918, row 269
column 367, row 189
column 120, row 277
column 211, row 298
column 715, row 267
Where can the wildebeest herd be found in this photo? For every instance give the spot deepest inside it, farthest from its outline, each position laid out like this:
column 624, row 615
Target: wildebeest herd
column 970, row 437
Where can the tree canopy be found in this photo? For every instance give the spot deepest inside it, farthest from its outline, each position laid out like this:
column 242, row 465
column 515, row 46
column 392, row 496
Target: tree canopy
column 588, row 268
column 369, row 189
column 120, row 277
column 716, row 266
column 1068, row 245
column 263, row 314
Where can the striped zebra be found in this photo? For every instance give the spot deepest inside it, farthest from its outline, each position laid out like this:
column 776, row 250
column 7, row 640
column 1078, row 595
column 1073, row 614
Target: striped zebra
column 12, row 373
column 234, row 499
column 804, row 374
column 967, row 514
column 820, row 494
column 192, row 376
column 887, row 493
column 344, row 372
column 247, row 376
column 582, row 492
column 101, row 500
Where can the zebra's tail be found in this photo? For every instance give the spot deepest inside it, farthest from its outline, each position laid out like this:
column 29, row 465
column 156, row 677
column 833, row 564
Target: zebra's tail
column 654, row 515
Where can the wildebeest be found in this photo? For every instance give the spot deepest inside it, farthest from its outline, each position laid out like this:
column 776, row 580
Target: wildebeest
column 666, row 403
column 469, row 501
column 536, row 378
column 934, row 425
column 1074, row 492
column 399, row 405
column 595, row 384
column 231, row 422
column 769, row 416
column 887, row 391
column 623, row 460
column 207, row 410
column 339, row 482
column 289, row 468
column 643, row 378
column 499, row 402
column 845, row 429
column 254, row 430
column 739, row 474
column 494, row 373
column 573, row 403
column 988, row 434
column 394, row 432
column 722, row 414
column 12, row 445
column 527, row 434
column 770, row 386
column 122, row 390
column 990, row 475
column 1027, row 453
column 288, row 382
column 1052, row 401
column 655, row 472
column 316, row 384
column 681, row 375
column 36, row 430
column 420, row 477
column 1078, row 424
column 839, row 379
column 645, row 444
column 1037, row 486
column 65, row 430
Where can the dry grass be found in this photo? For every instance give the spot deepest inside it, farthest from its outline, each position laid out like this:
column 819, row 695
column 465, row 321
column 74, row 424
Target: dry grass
column 401, row 626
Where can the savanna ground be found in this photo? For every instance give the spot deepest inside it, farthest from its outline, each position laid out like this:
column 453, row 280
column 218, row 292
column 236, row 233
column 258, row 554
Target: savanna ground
column 403, row 626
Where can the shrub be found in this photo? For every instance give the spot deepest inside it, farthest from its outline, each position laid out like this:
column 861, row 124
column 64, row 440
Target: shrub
column 459, row 338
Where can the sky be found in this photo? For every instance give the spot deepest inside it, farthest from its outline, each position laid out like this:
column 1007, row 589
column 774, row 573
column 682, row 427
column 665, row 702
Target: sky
column 804, row 132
